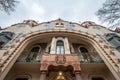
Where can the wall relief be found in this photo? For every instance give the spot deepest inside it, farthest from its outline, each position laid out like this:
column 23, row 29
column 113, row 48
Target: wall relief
column 60, row 59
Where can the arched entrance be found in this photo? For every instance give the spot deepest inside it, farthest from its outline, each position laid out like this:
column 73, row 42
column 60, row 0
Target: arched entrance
column 60, row 67
column 60, row 73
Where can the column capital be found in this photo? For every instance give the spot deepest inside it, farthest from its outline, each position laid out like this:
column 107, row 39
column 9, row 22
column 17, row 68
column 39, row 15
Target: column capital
column 43, row 75
column 77, row 72
column 43, row 72
column 78, row 75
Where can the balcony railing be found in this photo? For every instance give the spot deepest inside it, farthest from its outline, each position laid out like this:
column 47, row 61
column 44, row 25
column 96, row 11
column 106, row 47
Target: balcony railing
column 29, row 57
column 90, row 57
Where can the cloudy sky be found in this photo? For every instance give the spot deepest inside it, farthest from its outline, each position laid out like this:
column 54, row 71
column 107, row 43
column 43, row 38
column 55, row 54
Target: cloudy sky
column 46, row 10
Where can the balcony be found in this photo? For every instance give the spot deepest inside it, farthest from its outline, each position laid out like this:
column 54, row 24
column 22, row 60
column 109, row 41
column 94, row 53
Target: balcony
column 33, row 57
column 91, row 57
column 61, row 61
column 29, row 57
column 60, row 58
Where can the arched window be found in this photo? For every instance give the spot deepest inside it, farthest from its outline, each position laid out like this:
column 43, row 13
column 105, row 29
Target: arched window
column 49, row 49
column 83, row 50
column 35, row 49
column 114, row 39
column 60, row 47
column 85, row 54
column 5, row 37
column 33, row 54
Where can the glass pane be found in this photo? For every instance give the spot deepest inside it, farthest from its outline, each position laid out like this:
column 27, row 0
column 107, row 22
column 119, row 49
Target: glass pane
column 83, row 50
column 35, row 49
column 62, row 50
column 60, row 47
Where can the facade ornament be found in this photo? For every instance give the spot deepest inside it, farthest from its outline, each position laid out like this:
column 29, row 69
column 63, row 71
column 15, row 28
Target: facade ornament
column 76, row 67
column 86, row 24
column 43, row 66
column 105, row 46
column 6, row 53
column 13, row 46
column 100, row 41
column 117, row 30
column 30, row 22
column 18, row 40
column 60, row 59
column 112, row 53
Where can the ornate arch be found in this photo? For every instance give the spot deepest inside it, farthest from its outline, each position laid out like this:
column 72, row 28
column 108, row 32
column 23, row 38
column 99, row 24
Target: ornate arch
column 35, row 46
column 15, row 51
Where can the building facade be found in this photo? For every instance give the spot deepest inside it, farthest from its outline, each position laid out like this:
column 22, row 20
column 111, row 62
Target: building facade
column 59, row 50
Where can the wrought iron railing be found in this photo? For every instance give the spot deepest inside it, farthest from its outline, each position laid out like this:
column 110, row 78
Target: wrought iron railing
column 89, row 57
column 30, row 57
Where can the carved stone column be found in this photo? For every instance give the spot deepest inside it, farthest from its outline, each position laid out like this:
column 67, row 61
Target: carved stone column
column 67, row 48
column 43, row 75
column 77, row 75
column 53, row 45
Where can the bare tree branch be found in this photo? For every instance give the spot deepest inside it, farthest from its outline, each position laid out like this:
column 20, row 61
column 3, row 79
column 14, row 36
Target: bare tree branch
column 110, row 13
column 7, row 5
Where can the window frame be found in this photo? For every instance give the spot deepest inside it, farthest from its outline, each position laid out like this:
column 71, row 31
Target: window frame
column 60, row 47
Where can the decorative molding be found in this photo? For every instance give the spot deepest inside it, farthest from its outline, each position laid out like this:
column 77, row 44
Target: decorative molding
column 105, row 46
column 6, row 53
column 18, row 40
column 57, row 60
column 100, row 41
column 112, row 53
column 86, row 36
column 60, row 59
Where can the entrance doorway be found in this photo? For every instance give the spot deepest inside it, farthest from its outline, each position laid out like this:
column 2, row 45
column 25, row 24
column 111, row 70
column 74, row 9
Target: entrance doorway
column 60, row 73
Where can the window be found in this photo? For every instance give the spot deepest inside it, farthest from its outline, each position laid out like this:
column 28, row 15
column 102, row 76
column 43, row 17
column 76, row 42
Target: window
column 1, row 43
column 33, row 54
column 60, row 47
column 5, row 37
column 62, row 24
column 114, row 39
column 35, row 49
column 83, row 50
column 21, row 79
column 57, row 24
column 49, row 49
column 97, row 78
column 85, row 54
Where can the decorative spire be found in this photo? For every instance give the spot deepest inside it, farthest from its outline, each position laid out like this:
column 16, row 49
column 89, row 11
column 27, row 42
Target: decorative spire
column 86, row 24
column 117, row 30
column 30, row 22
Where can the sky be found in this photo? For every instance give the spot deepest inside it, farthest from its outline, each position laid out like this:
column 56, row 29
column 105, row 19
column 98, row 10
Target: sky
column 47, row 10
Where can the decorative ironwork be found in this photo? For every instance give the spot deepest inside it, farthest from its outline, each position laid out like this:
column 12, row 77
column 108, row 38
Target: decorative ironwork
column 91, row 57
